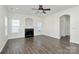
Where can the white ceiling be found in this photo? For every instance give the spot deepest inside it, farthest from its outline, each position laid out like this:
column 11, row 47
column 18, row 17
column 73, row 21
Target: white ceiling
column 27, row 9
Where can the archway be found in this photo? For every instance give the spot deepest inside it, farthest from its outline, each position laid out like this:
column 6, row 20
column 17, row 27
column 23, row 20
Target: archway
column 65, row 27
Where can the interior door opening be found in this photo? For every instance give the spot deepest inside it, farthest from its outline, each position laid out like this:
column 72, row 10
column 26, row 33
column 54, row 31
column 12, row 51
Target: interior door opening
column 65, row 27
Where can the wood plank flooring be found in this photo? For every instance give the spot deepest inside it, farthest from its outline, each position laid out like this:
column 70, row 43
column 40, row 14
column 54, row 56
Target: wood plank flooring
column 40, row 45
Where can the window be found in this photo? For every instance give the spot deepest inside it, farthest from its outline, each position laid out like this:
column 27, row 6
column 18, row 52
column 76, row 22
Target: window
column 39, row 26
column 15, row 26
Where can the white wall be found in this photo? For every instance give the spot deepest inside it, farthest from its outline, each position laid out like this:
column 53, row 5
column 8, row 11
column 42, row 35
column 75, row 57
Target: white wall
column 22, row 19
column 29, row 23
column 3, row 37
column 67, row 25
column 52, row 27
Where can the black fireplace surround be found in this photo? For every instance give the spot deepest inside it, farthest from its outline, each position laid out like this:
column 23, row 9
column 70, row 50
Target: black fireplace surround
column 29, row 33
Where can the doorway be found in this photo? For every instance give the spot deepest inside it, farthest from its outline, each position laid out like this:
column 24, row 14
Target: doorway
column 65, row 27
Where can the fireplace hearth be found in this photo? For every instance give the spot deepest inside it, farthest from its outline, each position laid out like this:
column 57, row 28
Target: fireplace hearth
column 29, row 33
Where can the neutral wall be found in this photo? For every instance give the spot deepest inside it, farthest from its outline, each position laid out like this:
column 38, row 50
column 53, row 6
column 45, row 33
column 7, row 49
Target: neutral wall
column 67, row 25
column 3, row 37
column 52, row 27
column 23, row 19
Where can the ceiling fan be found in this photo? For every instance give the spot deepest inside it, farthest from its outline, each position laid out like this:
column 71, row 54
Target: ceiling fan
column 42, row 9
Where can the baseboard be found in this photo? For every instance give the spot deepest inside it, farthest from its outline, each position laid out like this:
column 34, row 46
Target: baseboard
column 16, row 38
column 74, row 42
column 53, row 36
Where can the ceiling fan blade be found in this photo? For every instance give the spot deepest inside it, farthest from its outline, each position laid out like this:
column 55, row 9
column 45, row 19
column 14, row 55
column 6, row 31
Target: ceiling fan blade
column 47, row 9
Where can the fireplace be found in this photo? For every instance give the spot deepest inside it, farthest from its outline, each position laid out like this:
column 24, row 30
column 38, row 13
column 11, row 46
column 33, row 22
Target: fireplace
column 29, row 33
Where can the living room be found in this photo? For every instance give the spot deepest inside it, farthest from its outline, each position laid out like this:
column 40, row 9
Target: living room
column 28, row 29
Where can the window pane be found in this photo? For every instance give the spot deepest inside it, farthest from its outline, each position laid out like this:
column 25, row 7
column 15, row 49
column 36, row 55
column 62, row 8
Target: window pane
column 15, row 23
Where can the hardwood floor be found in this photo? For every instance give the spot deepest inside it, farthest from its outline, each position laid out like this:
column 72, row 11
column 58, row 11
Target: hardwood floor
column 40, row 45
